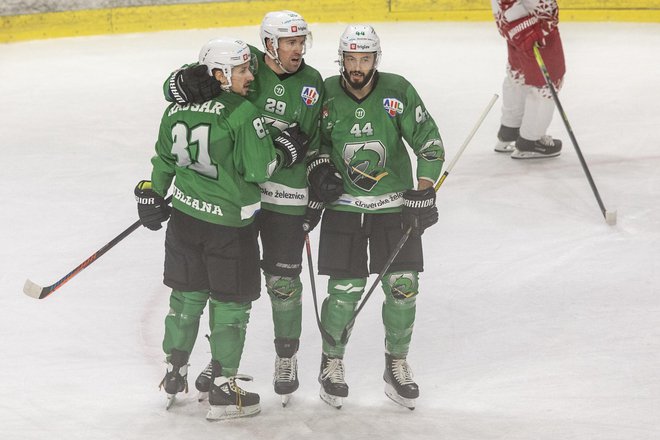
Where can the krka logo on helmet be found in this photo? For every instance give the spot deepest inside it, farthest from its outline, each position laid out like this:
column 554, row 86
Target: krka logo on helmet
column 309, row 95
column 393, row 106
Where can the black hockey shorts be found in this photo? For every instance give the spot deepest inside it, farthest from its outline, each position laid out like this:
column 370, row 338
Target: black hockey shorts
column 346, row 235
column 282, row 241
column 202, row 256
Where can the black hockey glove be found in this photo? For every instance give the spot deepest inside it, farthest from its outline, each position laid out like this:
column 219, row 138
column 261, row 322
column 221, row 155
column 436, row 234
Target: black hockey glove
column 193, row 85
column 419, row 210
column 313, row 213
column 324, row 179
column 152, row 208
column 292, row 145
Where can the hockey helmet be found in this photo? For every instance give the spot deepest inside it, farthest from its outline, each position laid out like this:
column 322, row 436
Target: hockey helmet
column 225, row 54
column 281, row 24
column 359, row 38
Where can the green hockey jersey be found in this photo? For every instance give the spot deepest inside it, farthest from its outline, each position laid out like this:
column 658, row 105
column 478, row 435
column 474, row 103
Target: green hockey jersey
column 217, row 153
column 284, row 100
column 365, row 140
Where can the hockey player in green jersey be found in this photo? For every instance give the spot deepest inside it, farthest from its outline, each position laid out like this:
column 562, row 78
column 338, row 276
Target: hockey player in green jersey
column 287, row 92
column 364, row 176
column 213, row 155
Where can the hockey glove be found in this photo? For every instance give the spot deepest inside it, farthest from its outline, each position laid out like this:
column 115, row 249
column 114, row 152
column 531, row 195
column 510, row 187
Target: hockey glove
column 152, row 208
column 193, row 85
column 312, row 214
column 324, row 179
column 419, row 210
column 292, row 145
column 524, row 32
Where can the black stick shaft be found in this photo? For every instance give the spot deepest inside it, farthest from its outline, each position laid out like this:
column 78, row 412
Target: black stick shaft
column 560, row 108
column 46, row 291
column 324, row 333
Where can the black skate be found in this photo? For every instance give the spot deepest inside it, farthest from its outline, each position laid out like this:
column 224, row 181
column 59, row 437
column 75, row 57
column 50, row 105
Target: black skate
column 229, row 401
column 331, row 378
column 176, row 376
column 506, row 138
column 285, row 378
column 541, row 149
column 399, row 384
column 203, row 382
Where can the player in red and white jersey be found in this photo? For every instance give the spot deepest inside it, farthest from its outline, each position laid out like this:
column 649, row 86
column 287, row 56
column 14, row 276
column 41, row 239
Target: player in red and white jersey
column 527, row 107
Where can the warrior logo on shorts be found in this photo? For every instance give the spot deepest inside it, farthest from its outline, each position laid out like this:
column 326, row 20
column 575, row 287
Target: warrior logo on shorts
column 309, row 95
column 365, row 163
column 393, row 106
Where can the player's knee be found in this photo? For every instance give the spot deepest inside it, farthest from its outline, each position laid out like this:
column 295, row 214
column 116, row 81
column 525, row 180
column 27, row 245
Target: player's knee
column 230, row 313
column 188, row 304
column 349, row 290
column 283, row 288
column 401, row 286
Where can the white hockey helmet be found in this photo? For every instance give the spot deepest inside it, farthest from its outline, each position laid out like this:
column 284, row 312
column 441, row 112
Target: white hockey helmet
column 359, row 38
column 225, row 54
column 281, row 24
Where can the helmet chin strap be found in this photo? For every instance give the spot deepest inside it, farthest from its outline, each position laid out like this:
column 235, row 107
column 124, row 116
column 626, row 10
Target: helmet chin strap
column 370, row 76
column 276, row 57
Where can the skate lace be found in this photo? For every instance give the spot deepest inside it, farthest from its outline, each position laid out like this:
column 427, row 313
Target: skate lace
column 182, row 372
column 334, row 370
column 238, row 391
column 207, row 371
column 547, row 141
column 285, row 369
column 402, row 372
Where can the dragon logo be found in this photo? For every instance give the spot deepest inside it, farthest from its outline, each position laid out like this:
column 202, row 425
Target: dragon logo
column 365, row 163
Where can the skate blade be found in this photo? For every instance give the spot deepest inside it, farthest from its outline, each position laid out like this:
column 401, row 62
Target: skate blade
column 334, row 401
column 517, row 154
column 225, row 412
column 398, row 399
column 171, row 398
column 202, row 396
column 285, row 399
column 504, row 147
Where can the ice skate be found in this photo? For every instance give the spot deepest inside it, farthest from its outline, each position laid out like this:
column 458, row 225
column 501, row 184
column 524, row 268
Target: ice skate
column 176, row 376
column 331, row 378
column 229, row 401
column 285, row 378
column 540, row 149
column 399, row 384
column 506, row 139
column 203, row 383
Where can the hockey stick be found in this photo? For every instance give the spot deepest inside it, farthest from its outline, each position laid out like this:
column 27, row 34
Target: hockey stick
column 35, row 291
column 327, row 337
column 406, row 235
column 610, row 216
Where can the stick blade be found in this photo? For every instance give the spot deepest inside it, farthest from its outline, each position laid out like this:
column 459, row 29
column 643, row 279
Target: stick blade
column 34, row 290
column 610, row 217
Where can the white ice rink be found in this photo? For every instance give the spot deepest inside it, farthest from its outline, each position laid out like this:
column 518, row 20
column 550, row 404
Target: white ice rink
column 536, row 320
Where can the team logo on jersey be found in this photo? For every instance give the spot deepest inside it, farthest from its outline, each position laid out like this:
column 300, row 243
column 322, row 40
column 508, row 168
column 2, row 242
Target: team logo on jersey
column 365, row 163
column 393, row 106
column 359, row 113
column 279, row 90
column 309, row 95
